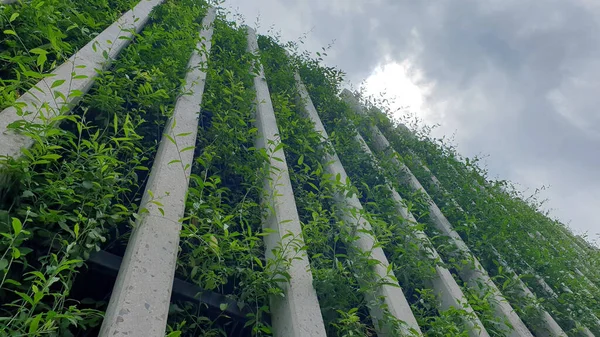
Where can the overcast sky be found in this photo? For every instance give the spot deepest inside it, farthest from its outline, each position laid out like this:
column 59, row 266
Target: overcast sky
column 516, row 80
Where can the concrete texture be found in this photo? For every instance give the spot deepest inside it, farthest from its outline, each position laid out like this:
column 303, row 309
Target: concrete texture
column 473, row 273
column 40, row 100
column 298, row 313
column 392, row 295
column 447, row 290
column 139, row 304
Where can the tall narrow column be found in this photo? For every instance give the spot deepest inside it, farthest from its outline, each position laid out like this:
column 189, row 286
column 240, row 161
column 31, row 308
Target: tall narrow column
column 392, row 294
column 298, row 313
column 139, row 304
column 472, row 273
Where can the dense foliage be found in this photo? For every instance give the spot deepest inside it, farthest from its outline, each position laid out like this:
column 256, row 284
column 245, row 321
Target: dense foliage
column 67, row 196
column 77, row 191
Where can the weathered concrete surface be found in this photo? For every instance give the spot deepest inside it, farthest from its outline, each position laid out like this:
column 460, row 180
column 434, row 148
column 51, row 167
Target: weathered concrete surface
column 392, row 295
column 139, row 304
column 97, row 54
column 298, row 313
column 473, row 273
column 444, row 284
column 7, row 2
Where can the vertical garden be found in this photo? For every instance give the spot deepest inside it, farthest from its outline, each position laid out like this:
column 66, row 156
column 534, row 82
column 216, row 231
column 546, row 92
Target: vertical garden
column 399, row 235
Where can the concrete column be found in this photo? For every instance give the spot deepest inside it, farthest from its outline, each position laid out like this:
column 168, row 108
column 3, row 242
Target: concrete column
column 472, row 273
column 447, row 290
column 7, row 2
column 393, row 297
column 42, row 101
column 139, row 304
column 298, row 313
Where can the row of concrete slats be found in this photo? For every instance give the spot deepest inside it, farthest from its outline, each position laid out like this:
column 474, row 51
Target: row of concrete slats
column 447, row 290
column 548, row 323
column 548, row 326
column 351, row 206
column 140, row 300
column 472, row 273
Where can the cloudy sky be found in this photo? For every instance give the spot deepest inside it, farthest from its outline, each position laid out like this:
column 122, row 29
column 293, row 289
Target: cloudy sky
column 516, row 80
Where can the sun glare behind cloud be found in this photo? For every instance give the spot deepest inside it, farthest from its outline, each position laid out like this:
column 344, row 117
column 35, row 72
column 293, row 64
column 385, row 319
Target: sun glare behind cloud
column 397, row 83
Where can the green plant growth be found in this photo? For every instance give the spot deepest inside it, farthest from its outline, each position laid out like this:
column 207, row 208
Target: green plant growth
column 77, row 190
column 222, row 241
column 82, row 181
column 37, row 36
column 304, row 153
column 335, row 268
column 498, row 214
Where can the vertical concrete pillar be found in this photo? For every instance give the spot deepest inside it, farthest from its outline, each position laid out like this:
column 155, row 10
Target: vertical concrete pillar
column 298, row 313
column 472, row 273
column 42, row 101
column 392, row 294
column 139, row 304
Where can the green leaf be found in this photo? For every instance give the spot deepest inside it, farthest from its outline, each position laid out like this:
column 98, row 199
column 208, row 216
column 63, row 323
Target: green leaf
column 301, row 160
column 57, row 83
column 174, row 334
column 17, row 226
column 187, row 149
column 223, row 306
column 25, row 297
column 52, row 156
column 13, row 17
column 38, row 51
column 3, row 264
column 35, row 322
column 10, row 32
column 171, row 139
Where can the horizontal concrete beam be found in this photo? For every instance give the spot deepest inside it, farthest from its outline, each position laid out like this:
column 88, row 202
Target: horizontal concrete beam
column 392, row 295
column 444, row 284
column 139, row 304
column 472, row 273
column 72, row 79
column 298, row 313
column 182, row 290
